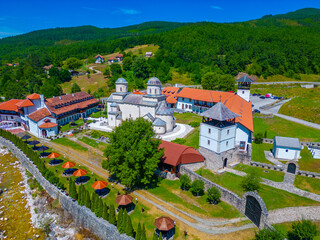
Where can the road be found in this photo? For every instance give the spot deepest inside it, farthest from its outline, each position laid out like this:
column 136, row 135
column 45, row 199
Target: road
column 97, row 71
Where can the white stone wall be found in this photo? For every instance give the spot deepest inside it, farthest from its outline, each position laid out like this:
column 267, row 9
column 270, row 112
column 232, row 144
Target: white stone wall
column 10, row 117
column 242, row 134
column 287, row 153
column 245, row 94
column 187, row 106
column 129, row 111
column 159, row 129
column 121, row 88
column 169, row 121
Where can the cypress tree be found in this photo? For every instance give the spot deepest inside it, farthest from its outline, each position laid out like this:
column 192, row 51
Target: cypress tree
column 93, row 201
column 88, row 200
column 124, row 220
column 73, row 190
column 160, row 236
column 143, row 233
column 155, row 237
column 120, row 220
column 80, row 197
column 129, row 228
column 99, row 207
column 112, row 215
column 105, row 214
column 138, row 233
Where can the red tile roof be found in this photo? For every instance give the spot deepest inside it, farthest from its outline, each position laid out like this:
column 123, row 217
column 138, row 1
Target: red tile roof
column 111, row 58
column 231, row 100
column 34, row 96
column 48, row 125
column 139, row 92
column 39, row 114
column 175, row 154
column 73, row 101
column 119, row 56
column 171, row 94
column 10, row 105
column 24, row 103
column 99, row 56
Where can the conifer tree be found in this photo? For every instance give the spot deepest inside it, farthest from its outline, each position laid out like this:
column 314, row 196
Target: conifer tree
column 112, row 215
column 124, row 220
column 93, row 201
column 81, row 193
column 120, row 220
column 160, row 236
column 138, row 233
column 143, row 233
column 105, row 214
column 98, row 209
column 88, row 200
column 155, row 237
column 73, row 190
column 129, row 228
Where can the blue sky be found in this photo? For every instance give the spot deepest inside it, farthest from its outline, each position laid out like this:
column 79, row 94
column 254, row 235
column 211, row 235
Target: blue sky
column 21, row 16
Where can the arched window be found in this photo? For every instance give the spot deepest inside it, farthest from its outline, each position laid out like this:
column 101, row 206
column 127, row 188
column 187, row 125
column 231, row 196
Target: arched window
column 120, row 89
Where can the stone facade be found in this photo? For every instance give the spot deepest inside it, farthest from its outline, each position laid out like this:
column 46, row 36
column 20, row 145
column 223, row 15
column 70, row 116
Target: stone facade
column 82, row 215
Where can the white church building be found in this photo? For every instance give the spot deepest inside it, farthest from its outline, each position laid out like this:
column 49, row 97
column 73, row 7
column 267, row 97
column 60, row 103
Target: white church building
column 123, row 105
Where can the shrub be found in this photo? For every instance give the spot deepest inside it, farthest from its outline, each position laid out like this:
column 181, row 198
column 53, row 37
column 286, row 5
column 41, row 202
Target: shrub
column 179, row 140
column 258, row 138
column 197, row 187
column 185, row 182
column 251, row 182
column 268, row 234
column 194, row 124
column 302, row 230
column 214, row 195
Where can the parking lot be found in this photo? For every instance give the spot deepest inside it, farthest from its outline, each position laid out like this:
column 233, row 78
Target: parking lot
column 258, row 102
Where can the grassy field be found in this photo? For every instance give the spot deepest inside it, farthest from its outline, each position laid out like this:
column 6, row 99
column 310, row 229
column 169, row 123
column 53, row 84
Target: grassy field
column 170, row 191
column 192, row 139
column 180, row 78
column 142, row 49
column 258, row 152
column 67, row 142
column 279, row 126
column 270, row 174
column 307, row 162
column 281, row 78
column 285, row 227
column 98, row 114
column 304, row 103
column 99, row 145
column 187, row 117
column 67, row 127
column 307, row 184
column 273, row 198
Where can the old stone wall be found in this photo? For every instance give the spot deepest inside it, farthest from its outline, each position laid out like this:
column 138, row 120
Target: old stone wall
column 82, row 215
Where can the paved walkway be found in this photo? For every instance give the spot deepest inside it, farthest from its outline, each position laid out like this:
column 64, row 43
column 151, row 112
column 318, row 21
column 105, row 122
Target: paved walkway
column 180, row 131
column 97, row 71
column 269, row 157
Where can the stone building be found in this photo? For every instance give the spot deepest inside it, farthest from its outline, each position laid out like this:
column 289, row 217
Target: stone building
column 286, row 148
column 123, row 105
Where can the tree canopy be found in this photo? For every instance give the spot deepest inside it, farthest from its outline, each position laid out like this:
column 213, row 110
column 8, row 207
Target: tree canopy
column 133, row 153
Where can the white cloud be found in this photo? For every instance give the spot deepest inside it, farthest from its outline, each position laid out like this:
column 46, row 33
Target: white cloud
column 129, row 11
column 216, row 7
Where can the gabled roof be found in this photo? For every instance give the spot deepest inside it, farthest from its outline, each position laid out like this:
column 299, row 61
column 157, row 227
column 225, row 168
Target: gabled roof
column 171, row 94
column 163, row 109
column 48, row 125
column 204, row 95
column 149, row 116
column 24, row 103
column 159, row 122
column 245, row 78
column 34, row 96
column 287, row 142
column 219, row 112
column 99, row 56
column 10, row 105
column 175, row 154
column 39, row 114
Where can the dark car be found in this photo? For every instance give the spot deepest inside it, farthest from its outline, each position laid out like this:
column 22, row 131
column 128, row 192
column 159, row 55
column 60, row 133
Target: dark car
column 258, row 95
column 263, row 97
column 254, row 94
column 256, row 111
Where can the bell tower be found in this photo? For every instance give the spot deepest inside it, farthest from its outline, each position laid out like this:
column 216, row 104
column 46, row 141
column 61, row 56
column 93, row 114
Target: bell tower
column 244, row 85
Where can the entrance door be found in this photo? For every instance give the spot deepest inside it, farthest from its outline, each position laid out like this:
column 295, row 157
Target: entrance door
column 44, row 133
column 291, row 168
column 225, row 162
column 253, row 210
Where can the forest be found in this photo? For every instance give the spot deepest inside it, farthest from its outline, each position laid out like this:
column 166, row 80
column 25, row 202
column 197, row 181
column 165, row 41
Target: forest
column 286, row 44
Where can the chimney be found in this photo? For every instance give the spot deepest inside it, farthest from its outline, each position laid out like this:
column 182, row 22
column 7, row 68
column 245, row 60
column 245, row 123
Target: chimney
column 41, row 100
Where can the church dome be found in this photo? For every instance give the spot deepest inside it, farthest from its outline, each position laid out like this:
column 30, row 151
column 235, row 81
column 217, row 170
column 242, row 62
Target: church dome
column 121, row 80
column 154, row 81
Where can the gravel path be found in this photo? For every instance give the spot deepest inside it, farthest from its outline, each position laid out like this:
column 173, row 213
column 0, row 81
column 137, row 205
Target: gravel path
column 293, row 214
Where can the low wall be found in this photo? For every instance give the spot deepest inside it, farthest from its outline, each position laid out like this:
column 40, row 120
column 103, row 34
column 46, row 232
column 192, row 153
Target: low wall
column 226, row 195
column 82, row 215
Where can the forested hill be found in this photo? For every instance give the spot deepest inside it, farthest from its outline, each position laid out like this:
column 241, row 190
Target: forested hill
column 285, row 44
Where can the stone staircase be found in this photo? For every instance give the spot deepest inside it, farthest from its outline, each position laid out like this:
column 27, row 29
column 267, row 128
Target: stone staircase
column 315, row 152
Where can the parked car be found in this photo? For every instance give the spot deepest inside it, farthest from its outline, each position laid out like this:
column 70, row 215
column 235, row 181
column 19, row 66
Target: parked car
column 258, row 95
column 256, row 111
column 254, row 94
column 263, row 97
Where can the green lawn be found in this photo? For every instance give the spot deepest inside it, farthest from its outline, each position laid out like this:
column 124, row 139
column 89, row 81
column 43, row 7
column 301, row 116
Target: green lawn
column 270, row 174
column 308, row 184
column 192, row 139
column 187, row 117
column 258, row 152
column 67, row 127
column 279, row 126
column 170, row 191
column 307, row 162
column 67, row 142
column 93, row 143
column 273, row 198
column 285, row 227
column 98, row 114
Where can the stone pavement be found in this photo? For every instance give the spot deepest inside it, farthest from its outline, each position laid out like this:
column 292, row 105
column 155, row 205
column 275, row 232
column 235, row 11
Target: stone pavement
column 269, row 157
column 180, row 131
column 292, row 214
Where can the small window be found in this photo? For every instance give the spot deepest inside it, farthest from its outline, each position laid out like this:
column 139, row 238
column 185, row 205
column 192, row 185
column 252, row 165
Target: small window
column 11, row 117
column 208, row 142
column 121, row 89
column 189, row 106
column 287, row 150
column 129, row 115
column 228, row 131
column 227, row 143
column 209, row 130
column 242, row 92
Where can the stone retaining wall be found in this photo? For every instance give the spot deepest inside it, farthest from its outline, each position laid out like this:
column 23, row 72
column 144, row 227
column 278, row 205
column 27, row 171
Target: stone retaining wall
column 82, row 215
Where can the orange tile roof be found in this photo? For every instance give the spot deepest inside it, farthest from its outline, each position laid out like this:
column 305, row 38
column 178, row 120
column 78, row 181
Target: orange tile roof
column 99, row 56
column 39, row 114
column 139, row 92
column 48, row 125
column 10, row 105
column 24, row 103
column 232, row 101
column 34, row 96
column 171, row 94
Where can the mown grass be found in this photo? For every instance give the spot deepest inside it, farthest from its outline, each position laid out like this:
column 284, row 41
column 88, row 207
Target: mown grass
column 308, row 184
column 278, row 126
column 285, row 227
column 270, row 174
column 274, row 198
column 68, row 127
column 67, row 142
column 95, row 144
column 142, row 49
column 281, row 78
column 170, row 191
column 187, row 117
column 307, row 162
column 192, row 139
column 258, row 152
column 98, row 114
